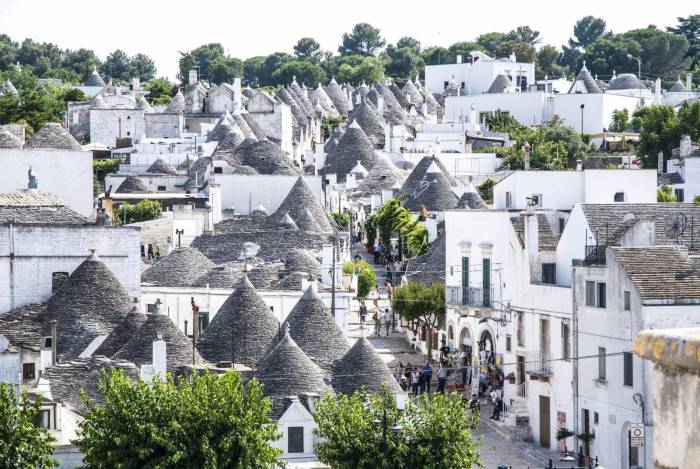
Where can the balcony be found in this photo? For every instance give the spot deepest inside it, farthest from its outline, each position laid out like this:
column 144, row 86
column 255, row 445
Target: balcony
column 538, row 364
column 475, row 297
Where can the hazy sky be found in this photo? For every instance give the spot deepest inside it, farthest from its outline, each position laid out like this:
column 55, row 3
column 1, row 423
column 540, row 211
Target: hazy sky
column 162, row 28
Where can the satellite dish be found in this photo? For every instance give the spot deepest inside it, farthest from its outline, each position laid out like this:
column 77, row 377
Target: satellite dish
column 674, row 226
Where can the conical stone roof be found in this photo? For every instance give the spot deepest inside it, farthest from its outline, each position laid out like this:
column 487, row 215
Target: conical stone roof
column 98, row 102
column 626, row 81
column 433, row 192
column 245, row 128
column 9, row 140
column 500, row 84
column 400, row 96
column 370, row 121
column 320, row 98
column 585, row 79
column 333, row 140
column 287, row 371
column 286, row 223
column 299, row 199
column 416, row 96
column 178, row 347
column 393, row 112
column 241, row 330
column 306, row 222
column 432, row 104
column 302, row 99
column 254, row 127
column 384, row 175
column 90, row 303
column 177, row 104
column 337, row 96
column 678, row 87
column 362, row 367
column 354, row 145
column 94, row 79
column 53, row 136
column 122, row 333
column 132, row 184
column 230, row 138
column 266, row 157
column 181, row 268
column 471, row 200
column 299, row 260
column 161, row 166
column 222, row 127
column 143, row 104
column 315, row 330
column 419, row 172
column 8, row 88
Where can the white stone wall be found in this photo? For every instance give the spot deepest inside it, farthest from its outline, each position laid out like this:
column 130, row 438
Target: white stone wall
column 104, row 125
column 277, row 124
column 67, row 174
column 41, row 250
column 161, row 125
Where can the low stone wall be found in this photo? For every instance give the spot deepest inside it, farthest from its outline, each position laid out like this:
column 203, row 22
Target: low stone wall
column 69, row 456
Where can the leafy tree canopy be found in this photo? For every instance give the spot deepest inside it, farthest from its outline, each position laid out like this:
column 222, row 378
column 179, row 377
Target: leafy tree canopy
column 364, row 39
column 143, row 211
column 309, row 49
column 214, row 421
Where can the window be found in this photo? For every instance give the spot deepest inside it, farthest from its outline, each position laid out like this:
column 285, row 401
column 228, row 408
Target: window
column 590, row 293
column 203, row 320
column 680, row 196
column 185, row 327
column 601, row 363
column 295, row 439
column 486, row 282
column 565, row 354
column 161, row 189
column 218, row 170
column 509, row 200
column 152, row 308
column 628, row 368
column 444, row 84
column 43, row 419
column 595, row 418
column 463, row 85
column 28, row 371
column 509, row 344
column 537, row 200
column 600, row 295
column 628, row 301
column 619, row 197
column 57, row 279
column 549, row 273
column 520, row 333
column 562, row 225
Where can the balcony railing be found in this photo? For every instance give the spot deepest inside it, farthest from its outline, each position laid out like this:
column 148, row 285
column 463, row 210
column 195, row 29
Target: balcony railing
column 469, row 296
column 538, row 363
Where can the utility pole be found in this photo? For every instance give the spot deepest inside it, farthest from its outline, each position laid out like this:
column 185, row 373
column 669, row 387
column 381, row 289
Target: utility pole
column 335, row 237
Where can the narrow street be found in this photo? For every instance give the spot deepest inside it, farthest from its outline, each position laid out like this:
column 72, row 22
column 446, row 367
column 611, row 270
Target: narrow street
column 498, row 446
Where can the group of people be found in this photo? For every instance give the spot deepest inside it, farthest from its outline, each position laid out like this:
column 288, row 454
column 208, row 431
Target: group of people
column 379, row 318
column 153, row 251
column 418, row 380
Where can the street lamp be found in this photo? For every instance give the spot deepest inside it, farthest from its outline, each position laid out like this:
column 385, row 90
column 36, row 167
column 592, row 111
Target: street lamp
column 583, row 106
column 639, row 71
column 526, row 155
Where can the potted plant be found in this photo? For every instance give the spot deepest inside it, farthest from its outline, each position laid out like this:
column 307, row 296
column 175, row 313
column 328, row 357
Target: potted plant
column 562, row 434
column 586, row 437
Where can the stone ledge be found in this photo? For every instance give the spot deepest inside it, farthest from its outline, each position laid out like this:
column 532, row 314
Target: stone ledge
column 674, row 348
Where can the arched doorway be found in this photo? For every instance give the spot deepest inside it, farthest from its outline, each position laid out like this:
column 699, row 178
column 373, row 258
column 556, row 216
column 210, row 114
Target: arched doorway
column 629, row 456
column 465, row 343
column 451, row 337
column 487, row 347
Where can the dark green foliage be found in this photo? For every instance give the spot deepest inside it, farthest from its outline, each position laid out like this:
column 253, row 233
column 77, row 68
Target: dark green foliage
column 22, row 444
column 366, row 277
column 659, row 131
column 416, row 301
column 341, row 219
column 485, row 190
column 305, row 72
column 620, row 120
column 143, row 211
column 160, row 91
column 392, row 219
column 212, row 421
column 433, row 432
column 329, row 124
column 308, row 49
column 364, row 39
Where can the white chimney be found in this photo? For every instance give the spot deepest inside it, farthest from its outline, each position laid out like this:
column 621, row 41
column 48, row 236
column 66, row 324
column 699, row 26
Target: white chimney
column 192, row 77
column 459, row 58
column 689, row 81
column 237, row 103
column 685, row 147
column 380, row 105
column 135, row 83
column 424, row 109
column 159, row 357
column 350, row 182
column 387, row 137
column 579, row 165
column 532, row 242
column 657, row 91
column 660, row 163
column 438, row 148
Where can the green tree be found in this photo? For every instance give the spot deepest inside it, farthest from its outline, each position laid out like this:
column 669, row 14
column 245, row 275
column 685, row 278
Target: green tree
column 308, row 49
column 409, row 42
column 586, row 31
column 659, row 132
column 366, row 277
column 665, row 194
column 8, row 51
column 270, row 65
column 524, row 34
column 368, row 69
column 81, row 61
column 610, row 53
column 689, row 120
column 548, row 61
column 463, row 48
column 392, row 219
column 212, row 421
column 211, row 62
column 160, row 91
column 305, row 72
column 224, row 69
column 524, row 52
column 364, row 39
column 143, row 66
column 23, row 445
column 422, row 303
column 143, row 211
column 435, row 56
column 489, row 41
column 117, row 66
column 252, row 70
column 403, row 62
column 502, row 121
column 689, row 28
column 620, row 120
column 485, row 190
column 662, row 53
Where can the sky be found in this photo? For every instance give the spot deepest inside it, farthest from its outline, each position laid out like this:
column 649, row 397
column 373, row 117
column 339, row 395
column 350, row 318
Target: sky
column 162, row 28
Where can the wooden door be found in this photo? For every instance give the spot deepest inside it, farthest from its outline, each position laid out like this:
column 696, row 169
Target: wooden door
column 544, row 422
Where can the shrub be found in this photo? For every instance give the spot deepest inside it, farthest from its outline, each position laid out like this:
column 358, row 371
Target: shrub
column 366, row 276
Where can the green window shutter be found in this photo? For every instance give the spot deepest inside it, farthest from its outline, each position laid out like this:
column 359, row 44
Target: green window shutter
column 465, row 279
column 486, row 281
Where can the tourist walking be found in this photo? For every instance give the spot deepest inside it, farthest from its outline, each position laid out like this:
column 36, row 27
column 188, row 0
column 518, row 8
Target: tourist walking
column 414, row 382
column 428, row 372
column 387, row 321
column 363, row 312
column 442, row 378
column 497, row 408
column 375, row 296
column 377, row 322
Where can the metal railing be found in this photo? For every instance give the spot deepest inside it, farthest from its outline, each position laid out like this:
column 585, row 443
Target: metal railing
column 522, row 389
column 469, row 296
column 538, row 363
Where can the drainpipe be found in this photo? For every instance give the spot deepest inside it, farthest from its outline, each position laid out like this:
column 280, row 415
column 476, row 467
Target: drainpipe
column 11, row 222
column 575, row 364
column 54, row 340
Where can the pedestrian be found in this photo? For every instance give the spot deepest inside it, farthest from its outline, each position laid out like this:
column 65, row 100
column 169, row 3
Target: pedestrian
column 363, row 312
column 444, row 350
column 442, row 378
column 497, row 408
column 377, row 322
column 388, row 275
column 377, row 253
column 157, row 252
column 375, row 296
column 474, row 405
column 421, row 382
column 389, row 290
column 150, row 251
column 494, row 395
column 428, row 372
column 387, row 321
column 414, row 382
